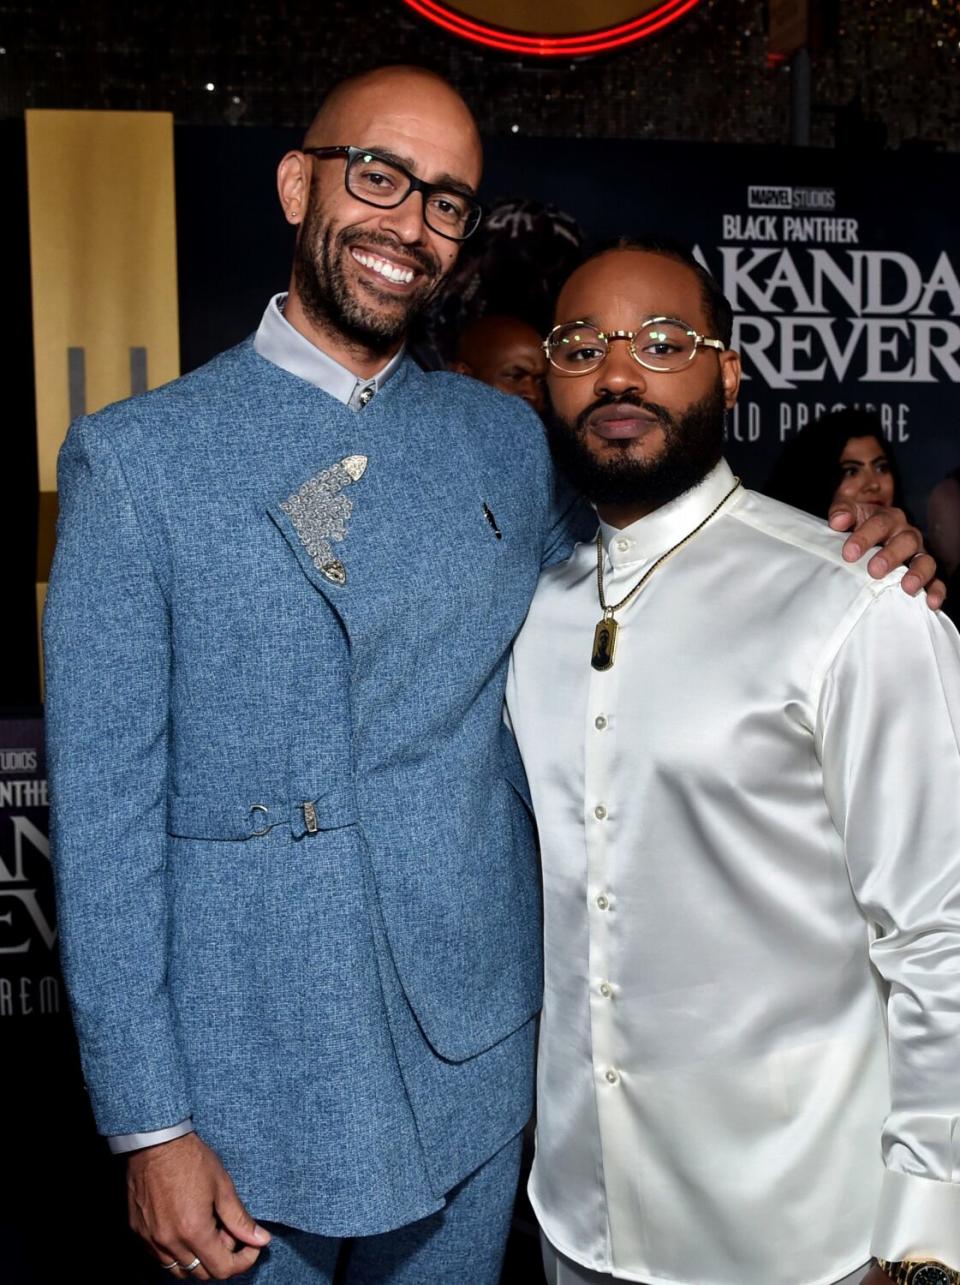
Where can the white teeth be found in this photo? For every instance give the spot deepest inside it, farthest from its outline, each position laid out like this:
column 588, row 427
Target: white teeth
column 402, row 276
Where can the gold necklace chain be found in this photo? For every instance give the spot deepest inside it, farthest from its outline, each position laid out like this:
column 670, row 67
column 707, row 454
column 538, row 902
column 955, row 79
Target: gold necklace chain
column 605, row 634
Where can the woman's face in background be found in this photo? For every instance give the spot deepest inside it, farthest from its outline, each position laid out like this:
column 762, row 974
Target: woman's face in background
column 865, row 472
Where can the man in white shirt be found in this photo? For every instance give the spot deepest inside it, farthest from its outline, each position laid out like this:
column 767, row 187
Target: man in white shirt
column 750, row 838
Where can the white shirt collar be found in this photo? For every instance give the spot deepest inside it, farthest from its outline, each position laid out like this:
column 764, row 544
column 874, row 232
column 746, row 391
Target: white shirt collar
column 651, row 536
column 278, row 342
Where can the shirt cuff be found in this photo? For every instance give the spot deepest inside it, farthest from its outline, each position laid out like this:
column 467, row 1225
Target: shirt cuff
column 917, row 1218
column 121, row 1142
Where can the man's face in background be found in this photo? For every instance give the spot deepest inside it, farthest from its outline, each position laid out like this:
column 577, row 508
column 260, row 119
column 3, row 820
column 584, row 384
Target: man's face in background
column 505, row 353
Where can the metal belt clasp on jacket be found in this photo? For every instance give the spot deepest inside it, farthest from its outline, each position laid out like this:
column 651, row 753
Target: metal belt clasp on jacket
column 219, row 818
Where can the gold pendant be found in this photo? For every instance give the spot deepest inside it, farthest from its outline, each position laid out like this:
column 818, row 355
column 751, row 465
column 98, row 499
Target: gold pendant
column 604, row 644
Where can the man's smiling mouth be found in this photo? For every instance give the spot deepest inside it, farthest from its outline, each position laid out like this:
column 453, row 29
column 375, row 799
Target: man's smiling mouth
column 389, row 271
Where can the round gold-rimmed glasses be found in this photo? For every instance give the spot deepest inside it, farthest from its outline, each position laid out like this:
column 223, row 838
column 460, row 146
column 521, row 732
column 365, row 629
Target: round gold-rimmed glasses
column 663, row 344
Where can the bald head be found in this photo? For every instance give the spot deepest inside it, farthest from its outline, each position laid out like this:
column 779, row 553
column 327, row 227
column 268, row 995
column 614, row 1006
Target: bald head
column 372, row 249
column 505, row 353
column 353, row 107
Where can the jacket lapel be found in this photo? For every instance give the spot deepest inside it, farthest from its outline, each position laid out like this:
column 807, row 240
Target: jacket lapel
column 314, row 520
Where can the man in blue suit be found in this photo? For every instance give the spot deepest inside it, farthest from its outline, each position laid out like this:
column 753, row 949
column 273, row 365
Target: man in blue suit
column 296, row 876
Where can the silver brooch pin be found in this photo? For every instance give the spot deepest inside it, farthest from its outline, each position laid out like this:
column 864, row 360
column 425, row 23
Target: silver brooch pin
column 319, row 512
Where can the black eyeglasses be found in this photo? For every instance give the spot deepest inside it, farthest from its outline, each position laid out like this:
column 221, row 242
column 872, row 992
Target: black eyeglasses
column 377, row 181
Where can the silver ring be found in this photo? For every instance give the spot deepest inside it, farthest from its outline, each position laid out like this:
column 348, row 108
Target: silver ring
column 191, row 1267
column 168, row 1267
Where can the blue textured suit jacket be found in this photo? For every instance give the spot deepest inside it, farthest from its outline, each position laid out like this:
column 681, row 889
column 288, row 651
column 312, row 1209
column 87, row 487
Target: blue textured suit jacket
column 274, row 687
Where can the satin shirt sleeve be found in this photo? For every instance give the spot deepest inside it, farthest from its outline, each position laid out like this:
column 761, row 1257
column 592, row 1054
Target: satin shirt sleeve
column 888, row 734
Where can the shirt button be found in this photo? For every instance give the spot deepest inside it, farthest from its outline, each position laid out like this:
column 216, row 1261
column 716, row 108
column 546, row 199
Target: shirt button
column 606, row 990
column 599, row 722
column 623, row 545
column 611, row 1076
column 602, row 902
column 599, row 811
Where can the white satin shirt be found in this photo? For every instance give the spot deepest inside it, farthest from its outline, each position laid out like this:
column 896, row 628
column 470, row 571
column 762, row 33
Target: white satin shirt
column 750, row 830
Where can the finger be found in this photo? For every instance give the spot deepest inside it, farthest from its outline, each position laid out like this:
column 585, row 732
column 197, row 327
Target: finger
column 235, row 1218
column 900, row 541
column 232, row 1262
column 193, row 1268
column 164, row 1254
column 186, row 1257
column 936, row 594
column 218, row 1253
column 217, row 1261
column 241, row 1256
column 842, row 516
column 875, row 530
column 902, row 547
column 885, row 527
column 193, row 1236
column 172, row 1261
column 922, row 570
column 167, row 1260
column 242, row 1261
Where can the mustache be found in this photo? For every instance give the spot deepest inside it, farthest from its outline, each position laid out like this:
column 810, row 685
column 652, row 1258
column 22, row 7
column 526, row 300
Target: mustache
column 660, row 413
column 420, row 254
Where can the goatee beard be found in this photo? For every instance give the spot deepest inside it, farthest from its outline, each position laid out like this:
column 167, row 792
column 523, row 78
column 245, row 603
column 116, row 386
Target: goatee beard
column 331, row 303
column 693, row 445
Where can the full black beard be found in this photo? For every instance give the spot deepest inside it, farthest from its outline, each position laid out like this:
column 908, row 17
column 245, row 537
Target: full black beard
column 324, row 291
column 693, row 446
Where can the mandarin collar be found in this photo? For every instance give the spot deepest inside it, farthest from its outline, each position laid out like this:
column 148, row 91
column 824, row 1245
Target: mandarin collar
column 280, row 343
column 653, row 535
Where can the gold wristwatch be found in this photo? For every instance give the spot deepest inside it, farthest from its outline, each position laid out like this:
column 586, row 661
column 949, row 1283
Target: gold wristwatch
column 921, row 1271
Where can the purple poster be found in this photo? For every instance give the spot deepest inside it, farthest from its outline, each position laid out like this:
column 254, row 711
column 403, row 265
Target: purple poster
column 30, row 987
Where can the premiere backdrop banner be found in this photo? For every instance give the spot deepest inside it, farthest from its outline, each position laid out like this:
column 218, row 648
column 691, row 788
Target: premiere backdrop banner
column 843, row 267
column 843, row 273
column 30, row 987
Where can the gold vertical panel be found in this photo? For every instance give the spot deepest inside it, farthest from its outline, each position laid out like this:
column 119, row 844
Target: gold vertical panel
column 103, row 258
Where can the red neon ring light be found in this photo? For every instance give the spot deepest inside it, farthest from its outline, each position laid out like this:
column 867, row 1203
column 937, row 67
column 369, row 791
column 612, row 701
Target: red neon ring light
column 593, row 42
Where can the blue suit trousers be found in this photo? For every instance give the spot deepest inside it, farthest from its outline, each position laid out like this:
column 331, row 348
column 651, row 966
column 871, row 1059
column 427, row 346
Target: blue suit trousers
column 461, row 1244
